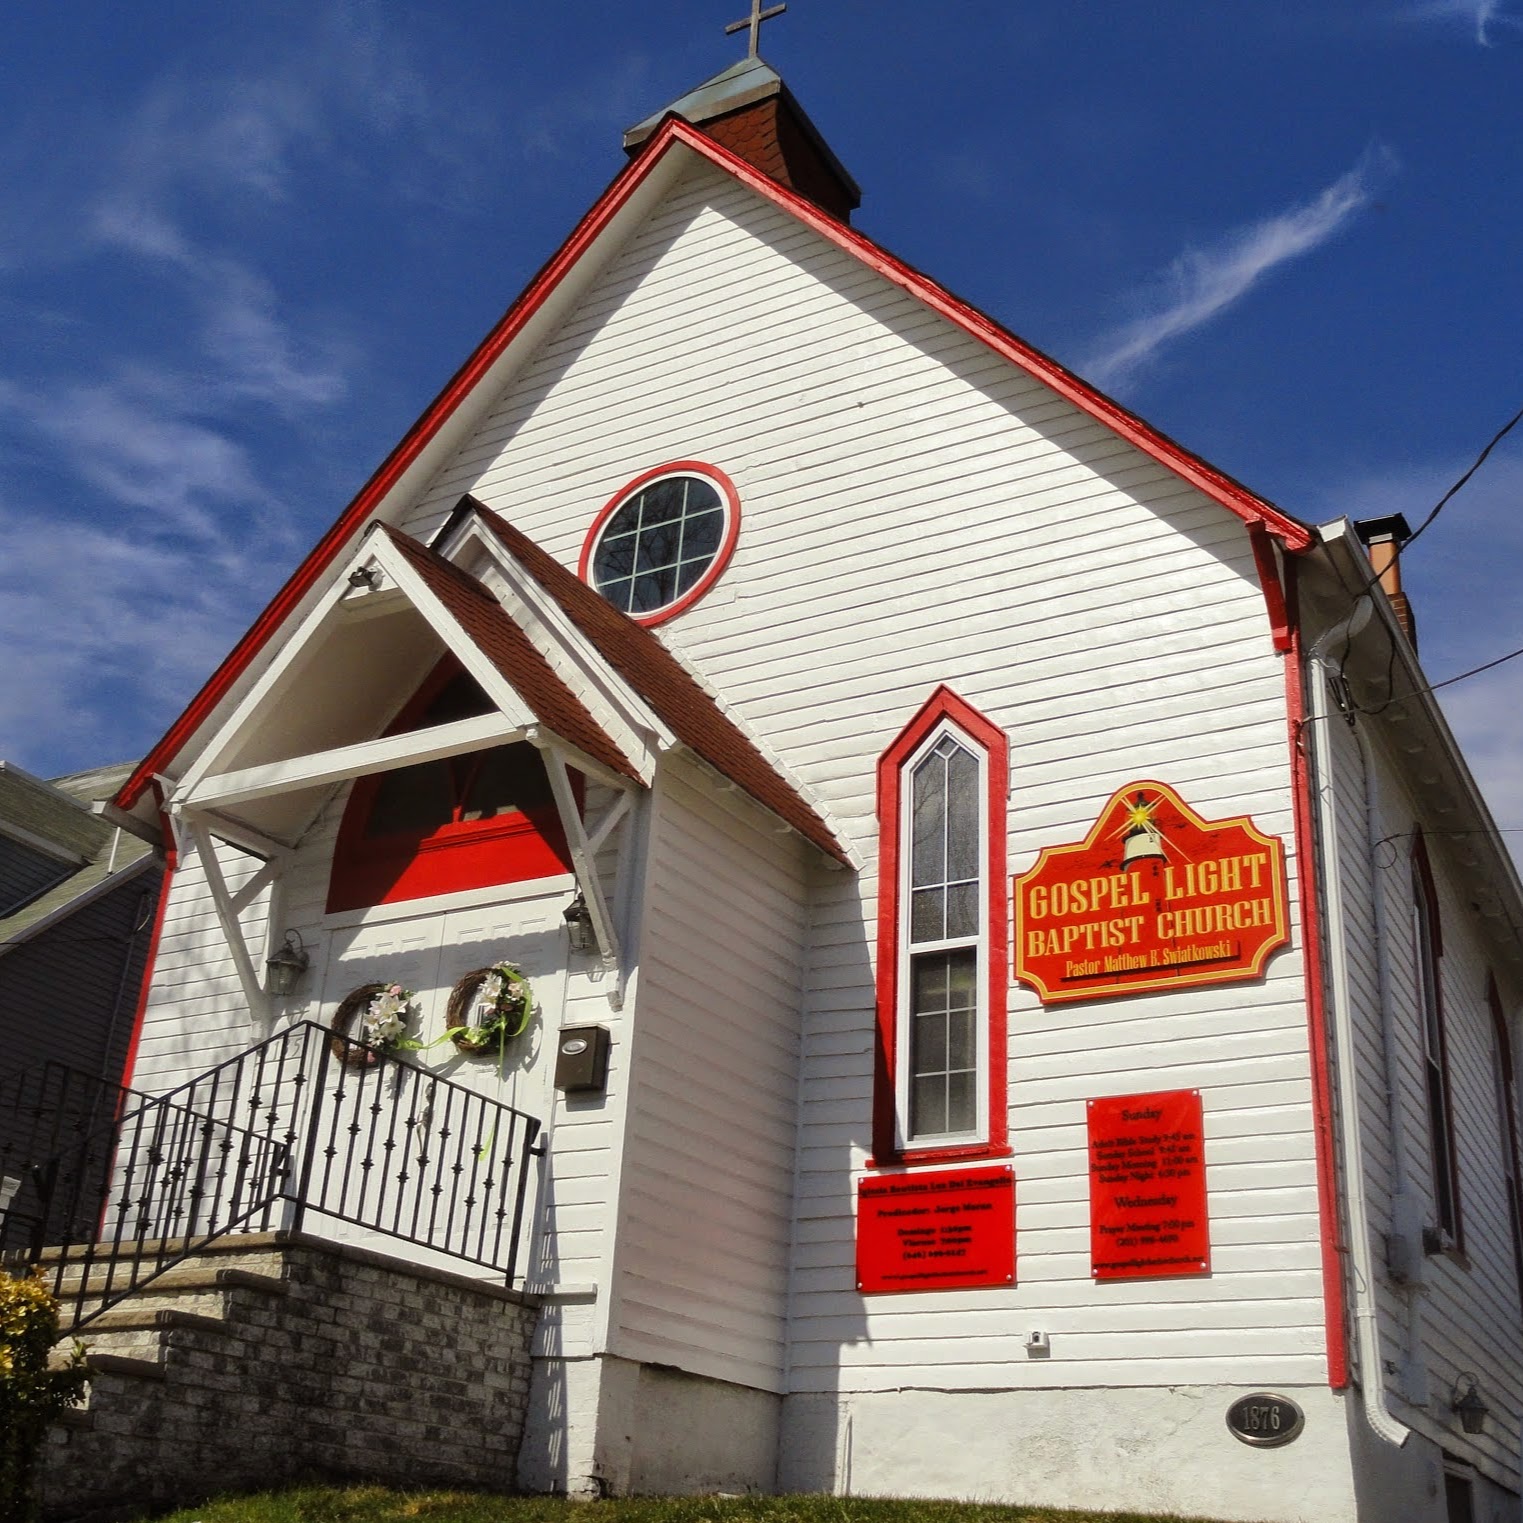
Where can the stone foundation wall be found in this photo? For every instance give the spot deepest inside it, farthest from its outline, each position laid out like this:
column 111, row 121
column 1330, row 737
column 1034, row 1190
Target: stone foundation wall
column 295, row 1359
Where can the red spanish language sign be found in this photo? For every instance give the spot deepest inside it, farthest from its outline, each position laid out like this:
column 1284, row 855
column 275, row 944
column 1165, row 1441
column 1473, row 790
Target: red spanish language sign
column 1147, row 1187
column 944, row 1231
column 1154, row 897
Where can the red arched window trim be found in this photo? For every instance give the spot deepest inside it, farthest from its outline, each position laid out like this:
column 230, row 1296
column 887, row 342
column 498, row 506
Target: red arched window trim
column 452, row 857
column 728, row 495
column 943, row 707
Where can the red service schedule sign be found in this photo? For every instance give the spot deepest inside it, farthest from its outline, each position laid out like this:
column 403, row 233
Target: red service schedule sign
column 943, row 1231
column 1147, row 1187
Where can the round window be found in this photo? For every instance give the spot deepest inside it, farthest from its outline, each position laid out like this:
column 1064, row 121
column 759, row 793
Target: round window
column 661, row 542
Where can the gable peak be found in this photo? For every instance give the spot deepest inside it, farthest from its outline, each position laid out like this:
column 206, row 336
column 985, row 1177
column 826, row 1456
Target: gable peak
column 749, row 110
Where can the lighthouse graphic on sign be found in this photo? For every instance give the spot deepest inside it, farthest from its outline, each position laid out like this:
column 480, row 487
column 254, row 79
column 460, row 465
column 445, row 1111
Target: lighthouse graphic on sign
column 1154, row 897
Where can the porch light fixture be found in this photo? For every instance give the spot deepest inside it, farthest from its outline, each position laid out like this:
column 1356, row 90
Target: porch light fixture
column 579, row 924
column 286, row 965
column 364, row 576
column 1466, row 1400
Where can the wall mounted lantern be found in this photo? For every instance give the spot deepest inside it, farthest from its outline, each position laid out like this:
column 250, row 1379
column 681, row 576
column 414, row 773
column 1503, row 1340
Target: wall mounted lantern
column 579, row 924
column 286, row 965
column 1466, row 1400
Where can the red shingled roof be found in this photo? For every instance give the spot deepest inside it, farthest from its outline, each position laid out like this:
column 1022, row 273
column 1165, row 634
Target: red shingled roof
column 510, row 650
column 639, row 657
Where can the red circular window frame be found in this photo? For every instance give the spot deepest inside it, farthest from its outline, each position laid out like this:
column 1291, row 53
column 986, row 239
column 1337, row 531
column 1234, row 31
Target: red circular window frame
column 716, row 566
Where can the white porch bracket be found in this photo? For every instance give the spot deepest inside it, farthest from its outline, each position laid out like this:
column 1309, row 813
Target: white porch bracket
column 584, row 849
column 344, row 762
column 227, row 917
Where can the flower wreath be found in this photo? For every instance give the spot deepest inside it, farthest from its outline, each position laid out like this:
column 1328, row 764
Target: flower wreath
column 383, row 1011
column 489, row 1007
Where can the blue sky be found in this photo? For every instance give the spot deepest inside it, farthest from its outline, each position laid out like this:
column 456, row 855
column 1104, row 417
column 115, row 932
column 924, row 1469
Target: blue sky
column 241, row 248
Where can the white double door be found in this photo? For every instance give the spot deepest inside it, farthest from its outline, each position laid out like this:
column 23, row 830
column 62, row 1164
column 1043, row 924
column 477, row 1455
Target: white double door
column 415, row 1167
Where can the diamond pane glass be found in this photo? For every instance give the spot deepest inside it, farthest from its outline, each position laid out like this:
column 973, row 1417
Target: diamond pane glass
column 944, row 845
column 962, row 816
column 929, row 817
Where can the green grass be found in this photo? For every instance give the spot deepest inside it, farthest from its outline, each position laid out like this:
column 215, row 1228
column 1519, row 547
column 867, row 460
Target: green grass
column 377, row 1504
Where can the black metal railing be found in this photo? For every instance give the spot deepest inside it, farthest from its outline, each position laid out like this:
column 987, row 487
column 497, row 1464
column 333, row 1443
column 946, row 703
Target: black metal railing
column 45, row 1110
column 302, row 1128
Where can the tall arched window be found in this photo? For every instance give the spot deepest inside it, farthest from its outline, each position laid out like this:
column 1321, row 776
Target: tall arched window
column 443, row 826
column 1507, row 1124
column 942, row 950
column 1427, row 950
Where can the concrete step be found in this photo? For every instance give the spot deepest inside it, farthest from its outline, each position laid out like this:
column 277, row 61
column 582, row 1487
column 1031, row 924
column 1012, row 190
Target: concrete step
column 194, row 1287
column 169, row 1247
column 124, row 1364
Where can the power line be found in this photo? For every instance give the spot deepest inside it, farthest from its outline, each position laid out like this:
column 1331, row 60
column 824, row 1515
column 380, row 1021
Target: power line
column 1443, row 501
column 1480, row 460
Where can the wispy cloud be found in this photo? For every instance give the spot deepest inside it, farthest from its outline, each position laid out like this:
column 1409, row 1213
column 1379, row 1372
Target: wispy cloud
column 1203, row 283
column 1481, row 18
column 128, row 446
column 185, row 149
column 149, row 461
column 103, row 631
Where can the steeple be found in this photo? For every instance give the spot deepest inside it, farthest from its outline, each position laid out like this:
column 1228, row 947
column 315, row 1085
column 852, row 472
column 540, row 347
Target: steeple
column 749, row 110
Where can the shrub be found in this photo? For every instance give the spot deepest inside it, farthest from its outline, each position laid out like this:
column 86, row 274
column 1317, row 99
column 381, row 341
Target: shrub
column 31, row 1395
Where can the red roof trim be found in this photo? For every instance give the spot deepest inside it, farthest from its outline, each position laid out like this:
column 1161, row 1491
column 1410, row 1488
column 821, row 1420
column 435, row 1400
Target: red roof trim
column 1230, row 494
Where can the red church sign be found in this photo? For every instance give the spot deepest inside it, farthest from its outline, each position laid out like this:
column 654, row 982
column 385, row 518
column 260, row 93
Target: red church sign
column 942, row 1231
column 1153, row 898
column 1147, row 1187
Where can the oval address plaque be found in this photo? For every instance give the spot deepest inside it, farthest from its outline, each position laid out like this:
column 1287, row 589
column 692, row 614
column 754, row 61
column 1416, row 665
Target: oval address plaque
column 1265, row 1420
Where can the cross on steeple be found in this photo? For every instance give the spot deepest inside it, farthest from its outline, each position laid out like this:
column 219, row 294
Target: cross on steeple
column 754, row 24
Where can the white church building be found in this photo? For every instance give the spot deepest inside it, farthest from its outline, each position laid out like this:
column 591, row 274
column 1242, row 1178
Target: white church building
column 1020, row 978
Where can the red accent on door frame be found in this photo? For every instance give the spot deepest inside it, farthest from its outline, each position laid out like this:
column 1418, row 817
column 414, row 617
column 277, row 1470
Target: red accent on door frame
column 150, row 959
column 454, row 857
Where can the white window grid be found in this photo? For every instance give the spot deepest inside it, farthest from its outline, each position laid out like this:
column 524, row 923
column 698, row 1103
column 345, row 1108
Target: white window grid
column 908, row 949
column 686, row 570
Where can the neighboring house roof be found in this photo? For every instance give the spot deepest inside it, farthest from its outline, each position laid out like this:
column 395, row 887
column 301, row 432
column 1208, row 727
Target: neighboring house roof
column 511, row 651
column 639, row 657
column 675, row 134
column 93, row 854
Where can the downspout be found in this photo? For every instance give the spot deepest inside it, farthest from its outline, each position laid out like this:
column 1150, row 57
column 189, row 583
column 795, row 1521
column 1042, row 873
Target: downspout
column 1405, row 1262
column 1366, row 1325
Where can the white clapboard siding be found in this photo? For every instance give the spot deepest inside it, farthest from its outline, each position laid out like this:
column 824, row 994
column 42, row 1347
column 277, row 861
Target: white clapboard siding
column 914, row 511
column 196, row 1015
column 707, row 1174
column 1469, row 1316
